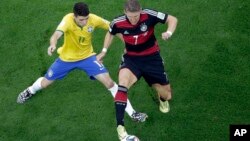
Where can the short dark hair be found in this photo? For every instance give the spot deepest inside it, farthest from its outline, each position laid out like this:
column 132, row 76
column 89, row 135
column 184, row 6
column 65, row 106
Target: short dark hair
column 81, row 9
column 132, row 6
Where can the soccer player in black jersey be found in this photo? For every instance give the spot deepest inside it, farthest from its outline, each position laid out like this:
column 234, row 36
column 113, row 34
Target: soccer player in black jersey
column 142, row 55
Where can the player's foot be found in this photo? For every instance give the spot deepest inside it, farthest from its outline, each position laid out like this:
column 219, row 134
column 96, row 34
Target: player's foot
column 23, row 96
column 130, row 138
column 164, row 106
column 139, row 117
column 122, row 133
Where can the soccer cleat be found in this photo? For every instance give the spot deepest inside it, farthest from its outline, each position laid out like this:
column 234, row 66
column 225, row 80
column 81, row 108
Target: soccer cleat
column 130, row 138
column 23, row 96
column 139, row 117
column 164, row 106
column 122, row 133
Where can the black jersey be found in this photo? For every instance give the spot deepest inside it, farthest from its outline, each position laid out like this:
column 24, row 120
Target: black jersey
column 139, row 39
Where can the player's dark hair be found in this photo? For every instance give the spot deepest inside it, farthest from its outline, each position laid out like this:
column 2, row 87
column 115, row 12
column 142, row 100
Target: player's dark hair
column 81, row 9
column 132, row 6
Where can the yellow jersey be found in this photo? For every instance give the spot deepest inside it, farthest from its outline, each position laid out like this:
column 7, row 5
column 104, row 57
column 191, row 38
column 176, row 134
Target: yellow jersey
column 78, row 40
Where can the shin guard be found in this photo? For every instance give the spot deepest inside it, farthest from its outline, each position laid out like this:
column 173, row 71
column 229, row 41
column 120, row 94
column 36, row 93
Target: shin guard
column 120, row 104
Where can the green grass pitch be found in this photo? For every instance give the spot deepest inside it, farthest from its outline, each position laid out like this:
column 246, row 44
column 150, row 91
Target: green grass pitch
column 207, row 60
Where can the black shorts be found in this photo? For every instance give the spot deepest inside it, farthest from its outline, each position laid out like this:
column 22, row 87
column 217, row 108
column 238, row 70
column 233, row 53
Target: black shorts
column 150, row 67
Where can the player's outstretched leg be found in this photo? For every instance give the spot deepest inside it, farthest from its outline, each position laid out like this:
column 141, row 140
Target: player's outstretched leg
column 30, row 91
column 39, row 84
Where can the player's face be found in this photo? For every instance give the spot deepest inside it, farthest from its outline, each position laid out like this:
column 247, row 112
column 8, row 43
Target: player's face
column 133, row 17
column 81, row 20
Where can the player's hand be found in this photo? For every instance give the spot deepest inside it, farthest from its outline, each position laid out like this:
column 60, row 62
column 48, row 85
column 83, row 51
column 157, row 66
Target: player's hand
column 166, row 35
column 100, row 57
column 51, row 49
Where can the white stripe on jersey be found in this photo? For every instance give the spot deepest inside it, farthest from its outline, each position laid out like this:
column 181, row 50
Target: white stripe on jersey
column 159, row 15
column 151, row 12
column 119, row 19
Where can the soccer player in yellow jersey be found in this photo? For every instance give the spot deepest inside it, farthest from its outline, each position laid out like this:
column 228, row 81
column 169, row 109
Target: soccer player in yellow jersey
column 77, row 53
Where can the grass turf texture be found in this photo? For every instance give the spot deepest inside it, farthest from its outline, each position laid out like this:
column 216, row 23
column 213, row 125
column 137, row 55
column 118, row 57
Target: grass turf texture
column 207, row 61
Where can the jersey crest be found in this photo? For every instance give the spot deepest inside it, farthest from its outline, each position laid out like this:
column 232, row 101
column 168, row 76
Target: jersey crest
column 143, row 27
column 90, row 29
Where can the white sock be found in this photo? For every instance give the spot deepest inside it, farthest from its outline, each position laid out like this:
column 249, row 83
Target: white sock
column 129, row 109
column 36, row 86
column 114, row 89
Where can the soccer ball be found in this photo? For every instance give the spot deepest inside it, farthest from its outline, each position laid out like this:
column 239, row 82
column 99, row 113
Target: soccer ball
column 131, row 138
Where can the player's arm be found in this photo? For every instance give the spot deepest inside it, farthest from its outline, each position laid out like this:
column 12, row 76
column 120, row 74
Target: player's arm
column 171, row 23
column 119, row 35
column 53, row 41
column 107, row 42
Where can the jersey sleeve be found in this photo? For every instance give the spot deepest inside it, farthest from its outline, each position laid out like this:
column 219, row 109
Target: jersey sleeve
column 63, row 26
column 157, row 16
column 112, row 28
column 101, row 22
